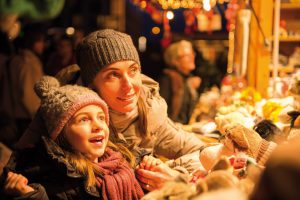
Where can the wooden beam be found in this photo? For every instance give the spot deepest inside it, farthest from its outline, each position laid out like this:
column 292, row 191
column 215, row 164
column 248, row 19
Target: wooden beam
column 259, row 55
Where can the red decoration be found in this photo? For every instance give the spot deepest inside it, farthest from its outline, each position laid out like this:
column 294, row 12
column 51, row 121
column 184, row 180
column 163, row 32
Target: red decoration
column 190, row 21
column 167, row 37
column 230, row 14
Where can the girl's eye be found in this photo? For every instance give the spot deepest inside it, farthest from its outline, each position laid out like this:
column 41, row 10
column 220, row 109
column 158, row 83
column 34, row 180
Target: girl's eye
column 83, row 119
column 101, row 117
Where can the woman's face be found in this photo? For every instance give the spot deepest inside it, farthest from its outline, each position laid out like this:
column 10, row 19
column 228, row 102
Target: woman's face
column 186, row 60
column 119, row 85
column 87, row 132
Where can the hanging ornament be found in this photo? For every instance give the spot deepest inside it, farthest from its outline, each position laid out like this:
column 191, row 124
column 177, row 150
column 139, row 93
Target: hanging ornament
column 190, row 21
column 209, row 21
column 230, row 14
column 157, row 16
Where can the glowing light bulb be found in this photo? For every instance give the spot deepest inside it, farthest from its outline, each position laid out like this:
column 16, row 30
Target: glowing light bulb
column 170, row 15
column 70, row 31
column 155, row 30
column 206, row 5
column 142, row 43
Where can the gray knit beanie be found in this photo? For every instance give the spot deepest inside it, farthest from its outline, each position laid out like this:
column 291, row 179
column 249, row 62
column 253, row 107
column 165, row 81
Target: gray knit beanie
column 101, row 48
column 60, row 103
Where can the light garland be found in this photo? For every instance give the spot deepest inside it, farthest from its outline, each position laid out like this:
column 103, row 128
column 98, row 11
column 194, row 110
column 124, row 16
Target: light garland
column 176, row 4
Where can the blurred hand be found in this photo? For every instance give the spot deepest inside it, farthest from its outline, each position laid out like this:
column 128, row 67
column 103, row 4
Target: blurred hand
column 16, row 185
column 194, row 82
column 153, row 173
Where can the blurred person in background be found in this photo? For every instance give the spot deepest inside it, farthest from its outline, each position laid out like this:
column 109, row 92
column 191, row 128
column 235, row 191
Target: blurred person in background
column 25, row 69
column 177, row 86
column 9, row 30
column 61, row 57
column 281, row 177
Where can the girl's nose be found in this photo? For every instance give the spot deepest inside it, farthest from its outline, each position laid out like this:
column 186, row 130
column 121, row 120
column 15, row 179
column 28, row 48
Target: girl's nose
column 97, row 126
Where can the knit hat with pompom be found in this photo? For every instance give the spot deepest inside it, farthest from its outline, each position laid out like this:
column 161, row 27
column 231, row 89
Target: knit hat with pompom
column 60, row 103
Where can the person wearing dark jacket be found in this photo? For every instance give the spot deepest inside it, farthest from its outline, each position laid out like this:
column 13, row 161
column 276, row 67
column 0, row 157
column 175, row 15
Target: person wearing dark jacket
column 177, row 86
column 74, row 160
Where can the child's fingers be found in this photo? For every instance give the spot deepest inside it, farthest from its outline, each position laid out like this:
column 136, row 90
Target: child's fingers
column 11, row 180
column 152, row 163
column 16, row 184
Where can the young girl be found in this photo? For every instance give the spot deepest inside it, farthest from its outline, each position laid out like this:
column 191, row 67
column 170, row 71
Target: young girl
column 74, row 160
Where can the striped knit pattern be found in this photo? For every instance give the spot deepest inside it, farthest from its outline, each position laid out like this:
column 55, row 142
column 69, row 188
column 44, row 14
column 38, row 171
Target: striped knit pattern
column 101, row 48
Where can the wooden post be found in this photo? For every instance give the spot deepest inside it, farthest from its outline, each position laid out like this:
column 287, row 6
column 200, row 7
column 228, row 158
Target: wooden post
column 118, row 10
column 259, row 57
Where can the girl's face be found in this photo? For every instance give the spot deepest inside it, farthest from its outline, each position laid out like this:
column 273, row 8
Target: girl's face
column 119, row 85
column 87, row 132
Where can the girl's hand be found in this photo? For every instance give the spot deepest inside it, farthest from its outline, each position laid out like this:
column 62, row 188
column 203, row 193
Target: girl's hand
column 153, row 173
column 149, row 163
column 16, row 185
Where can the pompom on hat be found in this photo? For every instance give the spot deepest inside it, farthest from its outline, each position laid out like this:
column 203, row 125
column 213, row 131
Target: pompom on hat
column 60, row 103
column 101, row 48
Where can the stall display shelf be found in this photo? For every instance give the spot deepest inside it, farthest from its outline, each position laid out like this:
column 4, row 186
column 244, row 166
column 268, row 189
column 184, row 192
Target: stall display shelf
column 290, row 6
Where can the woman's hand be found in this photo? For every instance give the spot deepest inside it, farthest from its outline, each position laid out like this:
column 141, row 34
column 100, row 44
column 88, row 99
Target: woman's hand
column 16, row 185
column 153, row 173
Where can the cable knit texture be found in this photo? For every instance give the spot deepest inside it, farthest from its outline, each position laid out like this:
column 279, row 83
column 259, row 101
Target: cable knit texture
column 118, row 181
column 59, row 104
column 250, row 141
column 101, row 48
column 265, row 150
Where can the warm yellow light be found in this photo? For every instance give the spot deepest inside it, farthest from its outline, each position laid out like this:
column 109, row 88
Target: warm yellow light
column 170, row 15
column 143, row 4
column 70, row 31
column 206, row 5
column 155, row 30
column 142, row 44
column 175, row 4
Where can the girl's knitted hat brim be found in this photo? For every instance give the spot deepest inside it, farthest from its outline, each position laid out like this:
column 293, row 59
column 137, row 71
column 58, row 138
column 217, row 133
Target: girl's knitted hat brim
column 60, row 103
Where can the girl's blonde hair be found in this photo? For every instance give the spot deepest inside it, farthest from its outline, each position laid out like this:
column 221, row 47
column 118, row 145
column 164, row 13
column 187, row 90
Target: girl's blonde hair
column 83, row 165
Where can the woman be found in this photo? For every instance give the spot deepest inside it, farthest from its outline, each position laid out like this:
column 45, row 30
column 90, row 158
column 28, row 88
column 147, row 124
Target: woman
column 109, row 63
column 74, row 160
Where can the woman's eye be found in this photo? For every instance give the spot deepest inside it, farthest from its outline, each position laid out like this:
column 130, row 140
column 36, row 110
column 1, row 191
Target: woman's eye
column 133, row 71
column 112, row 75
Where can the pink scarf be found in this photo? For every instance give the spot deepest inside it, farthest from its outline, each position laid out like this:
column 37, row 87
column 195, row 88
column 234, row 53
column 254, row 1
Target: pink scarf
column 118, row 181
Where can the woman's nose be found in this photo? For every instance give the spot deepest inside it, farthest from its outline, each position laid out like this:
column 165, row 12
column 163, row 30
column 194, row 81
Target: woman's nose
column 126, row 83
